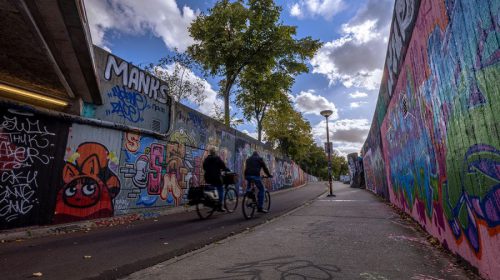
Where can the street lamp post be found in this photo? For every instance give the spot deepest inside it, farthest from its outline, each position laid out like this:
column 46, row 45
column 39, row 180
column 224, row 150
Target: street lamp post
column 326, row 114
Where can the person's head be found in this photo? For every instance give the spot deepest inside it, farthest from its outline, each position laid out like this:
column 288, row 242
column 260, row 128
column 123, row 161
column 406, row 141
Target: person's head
column 212, row 151
column 255, row 153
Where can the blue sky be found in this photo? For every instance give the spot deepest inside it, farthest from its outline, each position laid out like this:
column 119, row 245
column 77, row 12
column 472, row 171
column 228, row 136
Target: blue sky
column 344, row 75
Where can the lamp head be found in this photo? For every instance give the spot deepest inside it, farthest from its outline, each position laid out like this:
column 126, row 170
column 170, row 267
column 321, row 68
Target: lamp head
column 326, row 113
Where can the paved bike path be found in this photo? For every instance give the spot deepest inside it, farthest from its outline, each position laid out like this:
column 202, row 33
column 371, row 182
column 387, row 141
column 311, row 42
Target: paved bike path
column 352, row 236
column 111, row 252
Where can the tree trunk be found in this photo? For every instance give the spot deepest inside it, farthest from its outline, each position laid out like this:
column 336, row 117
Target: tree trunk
column 259, row 130
column 227, row 89
column 227, row 119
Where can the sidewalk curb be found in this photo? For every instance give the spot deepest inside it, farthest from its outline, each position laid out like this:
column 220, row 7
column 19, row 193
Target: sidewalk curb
column 58, row 229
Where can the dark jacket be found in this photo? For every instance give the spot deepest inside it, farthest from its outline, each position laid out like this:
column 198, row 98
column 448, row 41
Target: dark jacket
column 213, row 166
column 254, row 164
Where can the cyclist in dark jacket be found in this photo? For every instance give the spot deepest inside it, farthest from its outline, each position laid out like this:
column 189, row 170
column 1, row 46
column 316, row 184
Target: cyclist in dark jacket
column 213, row 165
column 252, row 173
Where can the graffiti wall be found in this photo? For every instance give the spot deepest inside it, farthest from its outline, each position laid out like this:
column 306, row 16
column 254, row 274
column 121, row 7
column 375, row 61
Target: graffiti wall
column 439, row 134
column 89, row 179
column 57, row 169
column 356, row 172
column 130, row 95
column 30, row 153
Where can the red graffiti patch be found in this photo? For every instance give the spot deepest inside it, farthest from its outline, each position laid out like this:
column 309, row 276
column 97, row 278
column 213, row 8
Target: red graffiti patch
column 89, row 186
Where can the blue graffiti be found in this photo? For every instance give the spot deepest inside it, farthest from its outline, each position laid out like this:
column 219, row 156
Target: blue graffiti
column 129, row 104
column 481, row 161
column 145, row 199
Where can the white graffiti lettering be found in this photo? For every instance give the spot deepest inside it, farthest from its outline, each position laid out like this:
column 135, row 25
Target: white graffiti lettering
column 21, row 156
column 136, row 79
column 24, row 144
column 16, row 194
column 25, row 126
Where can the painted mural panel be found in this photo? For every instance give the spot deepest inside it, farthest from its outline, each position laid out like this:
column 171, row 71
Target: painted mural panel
column 30, row 152
column 90, row 181
column 130, row 95
column 157, row 173
column 440, row 135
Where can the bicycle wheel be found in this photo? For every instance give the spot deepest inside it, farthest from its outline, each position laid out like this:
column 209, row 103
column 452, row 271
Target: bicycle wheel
column 230, row 199
column 204, row 212
column 248, row 205
column 267, row 201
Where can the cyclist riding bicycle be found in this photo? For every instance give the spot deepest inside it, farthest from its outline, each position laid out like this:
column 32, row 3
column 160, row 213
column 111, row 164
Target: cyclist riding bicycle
column 213, row 165
column 252, row 174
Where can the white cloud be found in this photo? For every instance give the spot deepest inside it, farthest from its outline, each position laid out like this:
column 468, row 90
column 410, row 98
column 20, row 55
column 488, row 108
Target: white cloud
column 309, row 103
column 324, row 8
column 163, row 18
column 210, row 101
column 357, row 104
column 358, row 94
column 251, row 134
column 363, row 32
column 347, row 135
column 357, row 58
column 296, row 11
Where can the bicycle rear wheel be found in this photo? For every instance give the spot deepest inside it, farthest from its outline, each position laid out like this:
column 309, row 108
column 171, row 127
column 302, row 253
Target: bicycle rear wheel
column 267, row 201
column 230, row 199
column 203, row 211
column 248, row 205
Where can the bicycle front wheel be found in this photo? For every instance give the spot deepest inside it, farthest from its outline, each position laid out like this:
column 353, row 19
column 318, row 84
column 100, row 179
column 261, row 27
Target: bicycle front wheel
column 267, row 201
column 248, row 205
column 230, row 199
column 203, row 211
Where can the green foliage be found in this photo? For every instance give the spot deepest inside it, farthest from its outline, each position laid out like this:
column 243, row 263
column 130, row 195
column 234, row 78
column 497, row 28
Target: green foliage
column 260, row 92
column 287, row 130
column 316, row 162
column 240, row 34
column 290, row 133
column 339, row 165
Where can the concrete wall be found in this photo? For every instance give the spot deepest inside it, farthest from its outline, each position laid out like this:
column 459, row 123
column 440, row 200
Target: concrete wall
column 58, row 170
column 434, row 145
column 356, row 172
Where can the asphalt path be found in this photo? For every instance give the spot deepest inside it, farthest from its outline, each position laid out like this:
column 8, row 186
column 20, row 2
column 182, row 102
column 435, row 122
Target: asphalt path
column 112, row 252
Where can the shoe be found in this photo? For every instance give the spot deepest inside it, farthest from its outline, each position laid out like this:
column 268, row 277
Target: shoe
column 221, row 210
column 260, row 210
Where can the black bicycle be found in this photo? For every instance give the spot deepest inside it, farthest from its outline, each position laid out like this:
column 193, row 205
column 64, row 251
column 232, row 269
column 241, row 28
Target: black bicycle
column 206, row 198
column 249, row 203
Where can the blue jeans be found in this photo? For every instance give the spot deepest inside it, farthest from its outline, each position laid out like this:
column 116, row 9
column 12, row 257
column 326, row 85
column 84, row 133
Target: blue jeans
column 220, row 191
column 258, row 183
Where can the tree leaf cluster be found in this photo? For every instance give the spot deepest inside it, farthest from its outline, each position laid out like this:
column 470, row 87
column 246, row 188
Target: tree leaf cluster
column 235, row 36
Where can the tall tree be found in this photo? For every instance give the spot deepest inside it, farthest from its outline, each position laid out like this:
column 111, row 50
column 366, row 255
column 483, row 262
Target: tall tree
column 234, row 35
column 176, row 70
column 261, row 91
column 316, row 162
column 287, row 130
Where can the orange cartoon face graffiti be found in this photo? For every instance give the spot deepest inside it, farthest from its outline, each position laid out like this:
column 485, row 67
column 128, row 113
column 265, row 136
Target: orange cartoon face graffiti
column 89, row 186
column 81, row 193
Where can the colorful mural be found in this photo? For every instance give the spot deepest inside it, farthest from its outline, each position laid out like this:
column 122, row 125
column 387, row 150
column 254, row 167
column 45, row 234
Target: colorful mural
column 56, row 171
column 439, row 133
column 89, row 185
